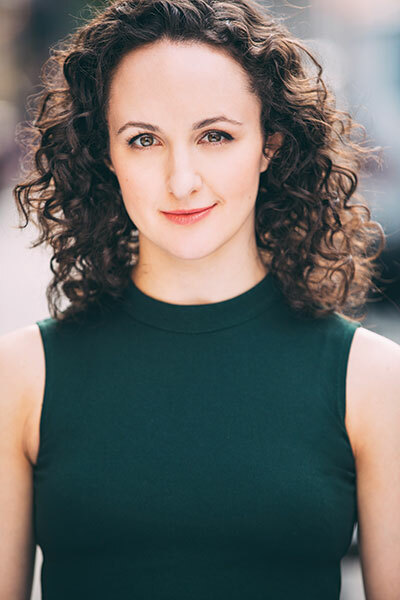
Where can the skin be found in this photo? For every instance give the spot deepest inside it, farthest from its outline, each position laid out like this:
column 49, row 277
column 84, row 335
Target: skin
column 179, row 168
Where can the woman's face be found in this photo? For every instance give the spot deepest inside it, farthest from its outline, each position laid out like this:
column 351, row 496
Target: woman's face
column 172, row 161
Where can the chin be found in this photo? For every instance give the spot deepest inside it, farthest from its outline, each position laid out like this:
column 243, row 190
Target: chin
column 189, row 252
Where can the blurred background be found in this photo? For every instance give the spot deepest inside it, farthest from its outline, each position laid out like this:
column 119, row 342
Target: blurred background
column 358, row 44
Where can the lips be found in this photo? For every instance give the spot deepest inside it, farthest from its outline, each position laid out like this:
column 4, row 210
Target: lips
column 187, row 212
column 187, row 218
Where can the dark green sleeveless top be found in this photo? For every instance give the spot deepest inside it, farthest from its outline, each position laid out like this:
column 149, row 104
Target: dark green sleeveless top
column 195, row 452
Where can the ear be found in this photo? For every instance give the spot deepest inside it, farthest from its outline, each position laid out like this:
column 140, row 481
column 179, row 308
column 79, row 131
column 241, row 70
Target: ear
column 273, row 143
column 109, row 164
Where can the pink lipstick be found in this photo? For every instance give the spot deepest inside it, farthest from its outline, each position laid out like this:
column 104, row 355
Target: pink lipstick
column 184, row 217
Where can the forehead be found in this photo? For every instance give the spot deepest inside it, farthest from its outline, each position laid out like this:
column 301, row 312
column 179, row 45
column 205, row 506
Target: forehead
column 187, row 75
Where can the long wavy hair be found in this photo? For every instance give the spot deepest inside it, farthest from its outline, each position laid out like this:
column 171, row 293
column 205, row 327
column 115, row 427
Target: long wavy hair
column 312, row 229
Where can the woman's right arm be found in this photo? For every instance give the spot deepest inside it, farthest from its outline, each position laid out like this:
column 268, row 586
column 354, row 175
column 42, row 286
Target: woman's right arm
column 21, row 366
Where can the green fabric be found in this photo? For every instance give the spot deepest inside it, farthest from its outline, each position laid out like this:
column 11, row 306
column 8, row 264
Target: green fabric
column 195, row 452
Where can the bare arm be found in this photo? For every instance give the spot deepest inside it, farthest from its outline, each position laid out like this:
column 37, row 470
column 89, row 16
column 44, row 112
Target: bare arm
column 19, row 378
column 374, row 390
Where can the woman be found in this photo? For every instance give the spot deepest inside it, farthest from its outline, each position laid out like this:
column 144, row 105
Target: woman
column 213, row 420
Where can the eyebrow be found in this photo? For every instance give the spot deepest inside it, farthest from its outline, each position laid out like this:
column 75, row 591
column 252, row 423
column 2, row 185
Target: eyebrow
column 198, row 125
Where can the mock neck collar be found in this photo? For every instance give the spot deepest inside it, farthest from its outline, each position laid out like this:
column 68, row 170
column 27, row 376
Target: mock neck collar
column 199, row 318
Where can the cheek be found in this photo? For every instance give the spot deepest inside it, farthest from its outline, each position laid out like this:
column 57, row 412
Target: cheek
column 139, row 187
column 132, row 174
column 241, row 179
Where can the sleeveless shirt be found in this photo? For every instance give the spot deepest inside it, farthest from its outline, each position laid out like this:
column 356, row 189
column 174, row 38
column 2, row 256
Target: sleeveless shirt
column 195, row 451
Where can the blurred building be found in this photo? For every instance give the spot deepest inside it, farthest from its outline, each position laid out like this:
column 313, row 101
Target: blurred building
column 358, row 44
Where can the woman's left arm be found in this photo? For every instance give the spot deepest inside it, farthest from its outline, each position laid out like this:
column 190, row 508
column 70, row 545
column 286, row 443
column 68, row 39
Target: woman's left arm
column 373, row 424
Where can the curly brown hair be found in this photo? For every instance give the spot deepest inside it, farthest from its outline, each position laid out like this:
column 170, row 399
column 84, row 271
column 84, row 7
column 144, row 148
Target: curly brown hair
column 318, row 244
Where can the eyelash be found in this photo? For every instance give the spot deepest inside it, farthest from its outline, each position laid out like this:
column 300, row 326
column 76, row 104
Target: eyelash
column 227, row 137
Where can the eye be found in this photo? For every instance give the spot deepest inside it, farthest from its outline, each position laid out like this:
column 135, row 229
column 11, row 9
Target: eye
column 137, row 137
column 148, row 136
column 219, row 134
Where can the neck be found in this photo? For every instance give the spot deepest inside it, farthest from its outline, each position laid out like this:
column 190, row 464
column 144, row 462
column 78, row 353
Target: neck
column 199, row 281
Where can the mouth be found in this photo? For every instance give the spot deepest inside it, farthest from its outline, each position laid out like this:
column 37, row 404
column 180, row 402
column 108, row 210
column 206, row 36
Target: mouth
column 185, row 217
column 187, row 212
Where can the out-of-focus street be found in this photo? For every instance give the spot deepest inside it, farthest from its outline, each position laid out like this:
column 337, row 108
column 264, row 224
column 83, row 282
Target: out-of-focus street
column 358, row 44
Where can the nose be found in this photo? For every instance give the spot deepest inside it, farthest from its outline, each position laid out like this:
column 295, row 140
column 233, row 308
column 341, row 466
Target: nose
column 183, row 177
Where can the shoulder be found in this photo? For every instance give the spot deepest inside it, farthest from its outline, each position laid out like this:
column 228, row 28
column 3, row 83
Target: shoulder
column 20, row 353
column 22, row 377
column 373, row 387
column 374, row 405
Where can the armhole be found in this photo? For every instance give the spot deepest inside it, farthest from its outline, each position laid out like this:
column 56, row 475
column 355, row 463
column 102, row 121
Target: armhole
column 349, row 329
column 44, row 326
